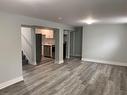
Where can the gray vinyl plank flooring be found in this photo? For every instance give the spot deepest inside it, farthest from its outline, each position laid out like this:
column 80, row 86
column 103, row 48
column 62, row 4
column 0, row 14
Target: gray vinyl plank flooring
column 74, row 77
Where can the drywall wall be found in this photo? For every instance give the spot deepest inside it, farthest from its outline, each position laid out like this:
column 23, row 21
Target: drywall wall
column 10, row 49
column 106, row 43
column 10, row 40
column 58, row 35
column 68, row 45
column 72, row 43
column 28, row 44
column 76, row 42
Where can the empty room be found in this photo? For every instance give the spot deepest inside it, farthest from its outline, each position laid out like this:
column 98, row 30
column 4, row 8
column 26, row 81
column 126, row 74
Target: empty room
column 63, row 47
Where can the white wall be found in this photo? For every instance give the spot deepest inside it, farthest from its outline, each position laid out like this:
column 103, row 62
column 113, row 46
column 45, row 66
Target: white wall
column 28, row 44
column 105, row 43
column 72, row 43
column 58, row 35
column 10, row 49
column 76, row 42
column 10, row 40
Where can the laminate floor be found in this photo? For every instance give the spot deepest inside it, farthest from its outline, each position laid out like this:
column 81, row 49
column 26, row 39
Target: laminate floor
column 71, row 78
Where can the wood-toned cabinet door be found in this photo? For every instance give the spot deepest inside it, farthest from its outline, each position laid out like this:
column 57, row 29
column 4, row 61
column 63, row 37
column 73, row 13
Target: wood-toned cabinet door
column 47, row 50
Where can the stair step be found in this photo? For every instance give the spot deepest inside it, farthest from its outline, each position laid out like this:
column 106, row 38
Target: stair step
column 24, row 59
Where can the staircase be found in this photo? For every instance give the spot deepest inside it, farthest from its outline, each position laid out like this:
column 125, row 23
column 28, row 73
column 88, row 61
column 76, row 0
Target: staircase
column 25, row 61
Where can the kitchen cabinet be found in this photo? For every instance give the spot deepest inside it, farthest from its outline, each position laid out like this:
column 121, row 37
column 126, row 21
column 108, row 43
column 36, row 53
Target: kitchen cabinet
column 49, row 51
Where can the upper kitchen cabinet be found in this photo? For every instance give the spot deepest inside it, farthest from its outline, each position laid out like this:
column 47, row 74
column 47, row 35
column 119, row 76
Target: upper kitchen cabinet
column 47, row 32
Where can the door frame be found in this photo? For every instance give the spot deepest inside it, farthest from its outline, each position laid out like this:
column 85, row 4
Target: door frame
column 33, row 28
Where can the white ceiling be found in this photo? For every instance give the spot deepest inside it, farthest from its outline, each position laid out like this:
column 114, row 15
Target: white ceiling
column 69, row 12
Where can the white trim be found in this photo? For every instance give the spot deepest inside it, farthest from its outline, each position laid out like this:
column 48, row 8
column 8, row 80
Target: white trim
column 11, row 82
column 59, row 62
column 83, row 59
column 77, row 55
column 34, row 63
column 105, row 62
column 67, row 57
column 68, row 46
column 73, row 44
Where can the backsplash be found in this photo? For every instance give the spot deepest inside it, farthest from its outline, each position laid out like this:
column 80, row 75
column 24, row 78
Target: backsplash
column 49, row 41
column 47, row 36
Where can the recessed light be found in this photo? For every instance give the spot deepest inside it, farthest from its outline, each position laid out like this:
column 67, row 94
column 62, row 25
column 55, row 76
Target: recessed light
column 60, row 18
column 36, row 1
column 89, row 21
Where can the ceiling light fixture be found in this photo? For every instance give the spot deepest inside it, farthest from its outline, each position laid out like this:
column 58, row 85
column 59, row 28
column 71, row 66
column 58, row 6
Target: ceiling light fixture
column 89, row 21
column 60, row 18
column 36, row 1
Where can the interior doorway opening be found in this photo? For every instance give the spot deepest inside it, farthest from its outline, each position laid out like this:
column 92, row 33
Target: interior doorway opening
column 45, row 44
column 28, row 45
column 66, row 44
column 38, row 44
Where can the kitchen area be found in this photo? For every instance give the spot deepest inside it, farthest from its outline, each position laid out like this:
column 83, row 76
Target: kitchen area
column 45, row 45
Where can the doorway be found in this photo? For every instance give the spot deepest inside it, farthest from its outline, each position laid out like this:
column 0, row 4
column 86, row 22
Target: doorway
column 66, row 45
column 37, row 55
column 45, row 45
column 28, row 45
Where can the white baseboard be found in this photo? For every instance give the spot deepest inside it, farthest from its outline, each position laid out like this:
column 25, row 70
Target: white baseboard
column 33, row 63
column 59, row 62
column 77, row 55
column 11, row 82
column 67, row 57
column 105, row 62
